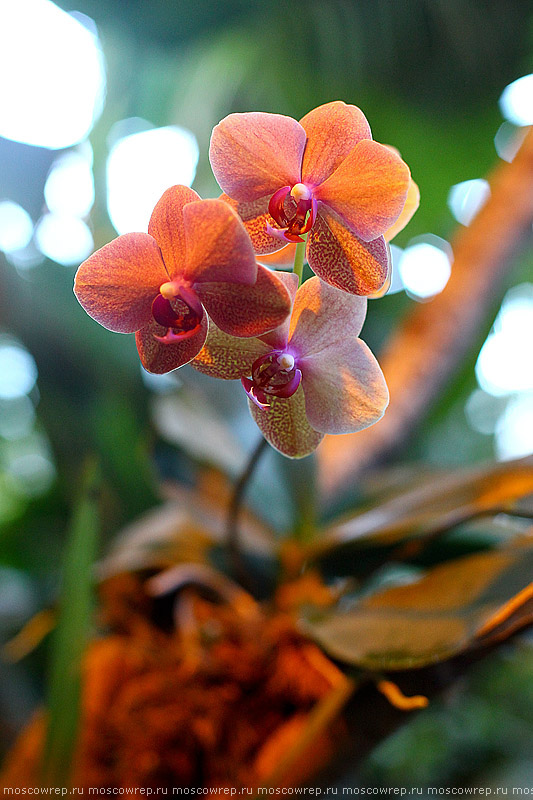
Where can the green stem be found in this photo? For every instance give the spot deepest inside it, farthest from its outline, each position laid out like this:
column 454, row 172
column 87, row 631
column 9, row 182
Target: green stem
column 299, row 256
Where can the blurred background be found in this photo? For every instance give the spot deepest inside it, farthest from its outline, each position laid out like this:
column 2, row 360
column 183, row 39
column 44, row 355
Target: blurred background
column 103, row 105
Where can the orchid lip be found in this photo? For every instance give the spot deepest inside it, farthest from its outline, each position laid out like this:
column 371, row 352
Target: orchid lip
column 256, row 395
column 281, row 233
column 276, row 208
column 181, row 313
column 303, row 215
column 273, row 375
column 171, row 337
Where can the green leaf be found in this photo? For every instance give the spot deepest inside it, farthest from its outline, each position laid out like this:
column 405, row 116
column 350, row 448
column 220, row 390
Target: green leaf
column 447, row 611
column 70, row 636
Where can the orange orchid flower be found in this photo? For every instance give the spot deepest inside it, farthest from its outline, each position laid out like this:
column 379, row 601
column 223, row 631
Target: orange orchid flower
column 284, row 258
column 323, row 176
column 310, row 376
column 196, row 257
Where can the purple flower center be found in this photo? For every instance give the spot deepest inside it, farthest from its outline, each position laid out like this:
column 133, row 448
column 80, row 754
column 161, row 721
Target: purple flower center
column 295, row 214
column 273, row 375
column 181, row 313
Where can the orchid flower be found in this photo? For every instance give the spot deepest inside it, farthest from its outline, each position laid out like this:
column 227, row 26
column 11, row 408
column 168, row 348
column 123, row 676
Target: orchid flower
column 196, row 257
column 323, row 176
column 310, row 376
column 281, row 259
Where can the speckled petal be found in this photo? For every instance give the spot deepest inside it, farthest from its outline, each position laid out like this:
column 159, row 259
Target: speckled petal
column 254, row 154
column 117, row 284
column 344, row 388
column 332, row 131
column 368, row 189
column 343, row 260
column 247, row 310
column 285, row 426
column 167, row 227
column 218, row 246
column 324, row 318
column 160, row 358
column 255, row 217
column 227, row 357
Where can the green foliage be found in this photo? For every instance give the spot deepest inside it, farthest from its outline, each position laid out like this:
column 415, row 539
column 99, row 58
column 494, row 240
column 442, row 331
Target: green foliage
column 71, row 635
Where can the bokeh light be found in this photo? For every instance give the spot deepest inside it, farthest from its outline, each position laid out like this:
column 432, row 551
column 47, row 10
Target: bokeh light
column 26, row 259
column 17, row 416
column 16, row 227
column 508, row 140
column 465, row 199
column 28, row 462
column 141, row 166
column 16, row 598
column 64, row 239
column 504, row 364
column 483, row 411
column 56, row 83
column 516, row 103
column 514, row 430
column 18, row 371
column 425, row 266
column 69, row 188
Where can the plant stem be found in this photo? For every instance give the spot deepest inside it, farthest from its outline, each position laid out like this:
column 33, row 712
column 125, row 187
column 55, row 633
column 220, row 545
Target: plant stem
column 238, row 566
column 299, row 256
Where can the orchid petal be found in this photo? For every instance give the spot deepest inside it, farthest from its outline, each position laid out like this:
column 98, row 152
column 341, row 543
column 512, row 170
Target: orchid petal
column 280, row 258
column 278, row 337
column 247, row 310
column 254, row 154
column 218, row 247
column 368, row 189
column 167, row 227
column 228, row 357
column 344, row 388
column 332, row 131
column 285, row 426
column 255, row 218
column 411, row 204
column 324, row 318
column 117, row 285
column 343, row 260
column 384, row 289
column 159, row 357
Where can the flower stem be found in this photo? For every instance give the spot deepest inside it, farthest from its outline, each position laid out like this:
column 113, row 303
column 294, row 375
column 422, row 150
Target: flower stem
column 238, row 566
column 299, row 256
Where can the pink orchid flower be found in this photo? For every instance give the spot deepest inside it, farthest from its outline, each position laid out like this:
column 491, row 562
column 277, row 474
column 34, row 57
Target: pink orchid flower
column 196, row 257
column 323, row 176
column 310, row 376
